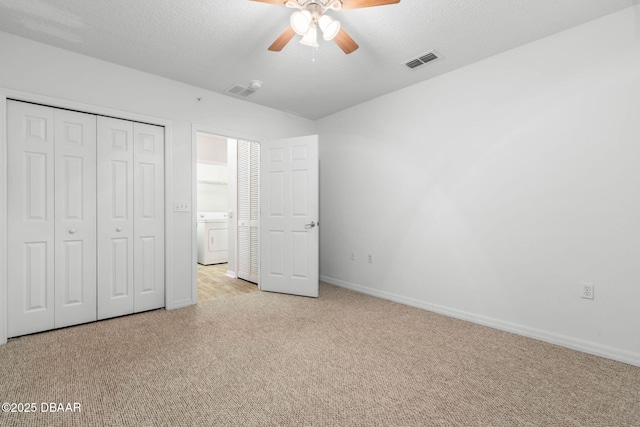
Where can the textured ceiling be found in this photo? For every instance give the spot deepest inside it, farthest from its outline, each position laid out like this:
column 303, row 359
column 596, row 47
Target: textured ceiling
column 213, row 44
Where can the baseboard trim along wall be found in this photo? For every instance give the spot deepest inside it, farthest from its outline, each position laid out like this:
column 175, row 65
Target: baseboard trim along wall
column 181, row 304
column 541, row 335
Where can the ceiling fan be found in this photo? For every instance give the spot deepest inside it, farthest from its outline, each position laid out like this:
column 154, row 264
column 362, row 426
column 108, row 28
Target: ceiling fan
column 310, row 15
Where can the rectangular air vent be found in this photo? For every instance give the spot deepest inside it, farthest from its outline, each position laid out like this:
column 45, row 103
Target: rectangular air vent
column 240, row 90
column 421, row 60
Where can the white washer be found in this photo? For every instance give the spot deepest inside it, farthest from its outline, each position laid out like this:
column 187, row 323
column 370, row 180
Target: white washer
column 213, row 237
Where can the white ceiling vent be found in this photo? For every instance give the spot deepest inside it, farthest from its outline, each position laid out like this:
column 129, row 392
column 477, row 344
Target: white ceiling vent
column 240, row 90
column 421, row 60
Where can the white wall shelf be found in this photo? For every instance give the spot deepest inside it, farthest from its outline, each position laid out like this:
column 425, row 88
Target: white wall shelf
column 206, row 181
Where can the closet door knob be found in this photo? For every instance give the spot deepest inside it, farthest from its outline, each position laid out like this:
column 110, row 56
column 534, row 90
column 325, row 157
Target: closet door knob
column 72, row 231
column 119, row 229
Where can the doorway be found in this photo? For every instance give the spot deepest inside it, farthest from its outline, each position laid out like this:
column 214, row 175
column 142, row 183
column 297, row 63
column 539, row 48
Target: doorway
column 288, row 246
column 227, row 210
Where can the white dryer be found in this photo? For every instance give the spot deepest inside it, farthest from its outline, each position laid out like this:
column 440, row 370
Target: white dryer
column 213, row 237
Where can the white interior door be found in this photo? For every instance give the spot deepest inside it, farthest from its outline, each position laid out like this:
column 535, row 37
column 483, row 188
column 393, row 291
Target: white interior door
column 148, row 217
column 248, row 210
column 75, row 218
column 115, row 217
column 30, row 217
column 289, row 237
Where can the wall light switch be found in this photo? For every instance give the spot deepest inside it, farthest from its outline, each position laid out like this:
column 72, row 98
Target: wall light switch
column 181, row 206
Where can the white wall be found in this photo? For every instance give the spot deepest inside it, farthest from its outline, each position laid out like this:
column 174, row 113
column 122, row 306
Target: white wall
column 212, row 173
column 212, row 189
column 232, row 184
column 492, row 192
column 212, row 149
column 40, row 69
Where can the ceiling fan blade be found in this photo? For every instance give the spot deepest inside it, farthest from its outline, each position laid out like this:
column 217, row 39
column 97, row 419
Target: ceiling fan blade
column 357, row 4
column 282, row 40
column 346, row 43
column 276, row 2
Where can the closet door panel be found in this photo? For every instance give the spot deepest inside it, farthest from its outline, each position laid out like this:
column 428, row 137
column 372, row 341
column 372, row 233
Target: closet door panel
column 75, row 218
column 30, row 235
column 115, row 217
column 149, row 286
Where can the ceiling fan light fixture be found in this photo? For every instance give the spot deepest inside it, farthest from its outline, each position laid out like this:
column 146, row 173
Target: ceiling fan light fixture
column 292, row 4
column 335, row 5
column 301, row 22
column 311, row 38
column 329, row 26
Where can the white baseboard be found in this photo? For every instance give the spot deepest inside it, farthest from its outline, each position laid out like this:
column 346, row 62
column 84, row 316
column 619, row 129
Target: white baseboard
column 538, row 334
column 180, row 304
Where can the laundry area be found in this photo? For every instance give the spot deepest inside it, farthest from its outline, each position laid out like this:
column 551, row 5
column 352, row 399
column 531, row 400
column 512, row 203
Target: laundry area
column 212, row 219
column 227, row 218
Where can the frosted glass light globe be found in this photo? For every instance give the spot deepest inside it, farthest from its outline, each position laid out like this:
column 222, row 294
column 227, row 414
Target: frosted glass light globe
column 301, row 22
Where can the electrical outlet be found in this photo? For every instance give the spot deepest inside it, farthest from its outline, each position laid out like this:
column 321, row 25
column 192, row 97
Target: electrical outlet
column 370, row 259
column 353, row 255
column 587, row 290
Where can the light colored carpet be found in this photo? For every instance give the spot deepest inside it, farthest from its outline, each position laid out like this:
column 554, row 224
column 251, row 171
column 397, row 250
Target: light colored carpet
column 344, row 359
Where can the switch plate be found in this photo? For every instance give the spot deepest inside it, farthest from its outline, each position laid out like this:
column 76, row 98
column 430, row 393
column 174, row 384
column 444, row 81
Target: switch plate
column 181, row 206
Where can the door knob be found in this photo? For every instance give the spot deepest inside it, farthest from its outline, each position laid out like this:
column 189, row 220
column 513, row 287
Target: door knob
column 72, row 231
column 310, row 225
column 119, row 229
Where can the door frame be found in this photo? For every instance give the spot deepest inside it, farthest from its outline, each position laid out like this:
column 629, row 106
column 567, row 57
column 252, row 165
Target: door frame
column 195, row 129
column 91, row 109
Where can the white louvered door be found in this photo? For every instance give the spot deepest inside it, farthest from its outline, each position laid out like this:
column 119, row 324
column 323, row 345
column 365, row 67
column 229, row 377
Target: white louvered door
column 248, row 211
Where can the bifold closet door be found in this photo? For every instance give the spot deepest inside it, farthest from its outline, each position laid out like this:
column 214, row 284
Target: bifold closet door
column 148, row 210
column 115, row 217
column 30, row 237
column 130, row 217
column 75, row 218
column 51, row 218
